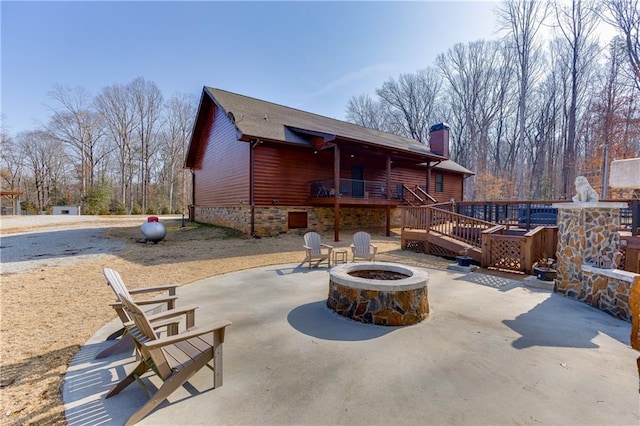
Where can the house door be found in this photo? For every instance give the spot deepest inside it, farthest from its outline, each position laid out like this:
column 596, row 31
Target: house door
column 357, row 181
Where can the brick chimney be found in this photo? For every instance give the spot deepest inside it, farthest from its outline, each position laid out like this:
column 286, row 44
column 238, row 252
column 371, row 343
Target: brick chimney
column 439, row 139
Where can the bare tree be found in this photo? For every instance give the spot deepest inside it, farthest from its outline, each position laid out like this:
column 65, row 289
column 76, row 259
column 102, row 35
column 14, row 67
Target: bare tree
column 45, row 158
column 367, row 112
column 523, row 20
column 180, row 111
column 148, row 107
column 609, row 106
column 576, row 23
column 411, row 101
column 478, row 78
column 116, row 107
column 75, row 124
column 625, row 15
column 608, row 120
column 11, row 162
column 546, row 120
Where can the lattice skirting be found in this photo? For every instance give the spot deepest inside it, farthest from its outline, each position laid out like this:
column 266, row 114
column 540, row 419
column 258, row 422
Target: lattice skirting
column 416, row 246
column 429, row 248
column 436, row 250
column 506, row 255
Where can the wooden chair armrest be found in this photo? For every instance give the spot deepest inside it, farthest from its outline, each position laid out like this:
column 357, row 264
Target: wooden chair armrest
column 189, row 313
column 154, row 324
column 307, row 247
column 194, row 332
column 118, row 305
column 171, row 288
column 327, row 246
column 166, row 323
column 157, row 300
column 182, row 310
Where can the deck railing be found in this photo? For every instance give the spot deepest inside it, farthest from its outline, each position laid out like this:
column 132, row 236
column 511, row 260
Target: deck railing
column 502, row 247
column 444, row 222
column 529, row 214
column 353, row 188
column 424, row 194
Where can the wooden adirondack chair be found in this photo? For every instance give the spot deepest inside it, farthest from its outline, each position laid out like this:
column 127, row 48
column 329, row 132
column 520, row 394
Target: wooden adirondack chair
column 313, row 247
column 362, row 247
column 118, row 286
column 173, row 358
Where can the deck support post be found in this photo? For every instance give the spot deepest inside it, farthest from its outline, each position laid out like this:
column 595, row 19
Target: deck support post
column 336, row 185
column 387, row 196
column 252, row 160
column 428, row 180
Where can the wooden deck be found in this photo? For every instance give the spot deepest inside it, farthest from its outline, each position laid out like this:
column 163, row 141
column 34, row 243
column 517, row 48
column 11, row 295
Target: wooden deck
column 441, row 232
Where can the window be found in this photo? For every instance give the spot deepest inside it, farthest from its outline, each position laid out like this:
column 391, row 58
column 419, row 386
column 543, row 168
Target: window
column 439, row 182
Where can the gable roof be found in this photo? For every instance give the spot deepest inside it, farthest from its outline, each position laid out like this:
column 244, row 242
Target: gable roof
column 262, row 119
column 452, row 166
column 258, row 119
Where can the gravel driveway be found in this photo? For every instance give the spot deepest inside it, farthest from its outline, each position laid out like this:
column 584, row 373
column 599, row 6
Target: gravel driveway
column 32, row 242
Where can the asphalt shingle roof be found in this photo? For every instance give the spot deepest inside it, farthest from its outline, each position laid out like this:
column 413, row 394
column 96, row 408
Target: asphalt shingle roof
column 266, row 120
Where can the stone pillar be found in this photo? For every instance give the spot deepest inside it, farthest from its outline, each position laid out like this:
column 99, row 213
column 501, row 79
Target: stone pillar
column 586, row 231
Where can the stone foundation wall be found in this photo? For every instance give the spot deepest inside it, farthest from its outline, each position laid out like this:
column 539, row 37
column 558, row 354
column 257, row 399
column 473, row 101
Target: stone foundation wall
column 232, row 217
column 379, row 307
column 273, row 220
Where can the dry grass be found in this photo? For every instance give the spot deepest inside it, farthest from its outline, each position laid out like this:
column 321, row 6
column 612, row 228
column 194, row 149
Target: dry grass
column 47, row 314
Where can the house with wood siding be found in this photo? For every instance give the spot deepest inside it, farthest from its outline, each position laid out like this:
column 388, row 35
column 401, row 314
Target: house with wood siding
column 265, row 169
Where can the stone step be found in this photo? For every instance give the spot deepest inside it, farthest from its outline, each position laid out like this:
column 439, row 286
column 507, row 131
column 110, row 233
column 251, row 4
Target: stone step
column 533, row 282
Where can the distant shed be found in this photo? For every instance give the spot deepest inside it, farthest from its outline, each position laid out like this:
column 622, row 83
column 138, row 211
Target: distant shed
column 66, row 210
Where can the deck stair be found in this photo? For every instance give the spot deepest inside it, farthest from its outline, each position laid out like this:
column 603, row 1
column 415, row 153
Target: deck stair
column 416, row 196
column 425, row 195
column 410, row 197
column 455, row 246
column 446, row 233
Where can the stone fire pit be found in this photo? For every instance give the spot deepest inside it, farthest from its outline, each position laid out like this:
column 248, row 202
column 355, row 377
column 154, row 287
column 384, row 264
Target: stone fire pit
column 379, row 293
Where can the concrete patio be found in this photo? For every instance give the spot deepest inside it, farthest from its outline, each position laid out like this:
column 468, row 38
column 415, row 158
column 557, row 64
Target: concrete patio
column 491, row 352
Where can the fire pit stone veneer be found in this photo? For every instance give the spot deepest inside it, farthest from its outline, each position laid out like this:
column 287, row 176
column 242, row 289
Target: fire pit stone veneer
column 392, row 302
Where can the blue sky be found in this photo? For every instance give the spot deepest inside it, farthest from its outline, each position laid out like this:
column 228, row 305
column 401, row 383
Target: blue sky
column 308, row 55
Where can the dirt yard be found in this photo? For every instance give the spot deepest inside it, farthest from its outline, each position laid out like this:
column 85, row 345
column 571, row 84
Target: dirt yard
column 49, row 312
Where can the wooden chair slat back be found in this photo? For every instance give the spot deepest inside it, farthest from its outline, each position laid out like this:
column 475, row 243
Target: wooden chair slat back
column 362, row 242
column 138, row 317
column 115, row 281
column 312, row 240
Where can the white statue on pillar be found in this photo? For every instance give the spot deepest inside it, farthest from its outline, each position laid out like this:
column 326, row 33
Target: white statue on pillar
column 585, row 193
